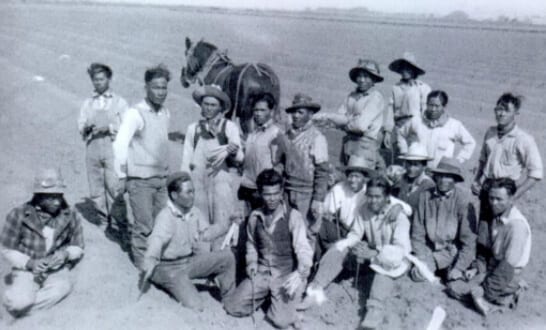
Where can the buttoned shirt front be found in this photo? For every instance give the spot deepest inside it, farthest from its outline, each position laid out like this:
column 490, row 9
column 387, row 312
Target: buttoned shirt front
column 510, row 155
column 344, row 203
column 365, row 113
column 102, row 110
column 175, row 234
column 511, row 238
column 407, row 99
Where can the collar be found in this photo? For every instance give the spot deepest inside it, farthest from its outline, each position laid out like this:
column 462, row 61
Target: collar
column 357, row 95
column 512, row 133
column 438, row 122
column 175, row 210
column 265, row 126
column 107, row 94
column 151, row 109
column 410, row 83
column 37, row 219
column 508, row 215
column 437, row 194
column 277, row 214
column 295, row 131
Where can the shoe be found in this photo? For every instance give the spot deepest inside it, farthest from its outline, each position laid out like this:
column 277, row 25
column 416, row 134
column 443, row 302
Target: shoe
column 373, row 318
column 315, row 296
column 481, row 304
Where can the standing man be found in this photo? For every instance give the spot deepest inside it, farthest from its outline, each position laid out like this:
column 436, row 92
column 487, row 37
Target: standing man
column 278, row 257
column 141, row 156
column 507, row 151
column 259, row 149
column 361, row 116
column 303, row 151
column 100, row 117
column 42, row 240
column 213, row 155
column 178, row 250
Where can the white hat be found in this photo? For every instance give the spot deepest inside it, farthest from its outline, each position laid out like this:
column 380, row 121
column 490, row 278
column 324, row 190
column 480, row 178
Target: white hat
column 416, row 151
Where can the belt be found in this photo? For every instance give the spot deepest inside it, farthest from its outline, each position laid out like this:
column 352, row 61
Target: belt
column 99, row 135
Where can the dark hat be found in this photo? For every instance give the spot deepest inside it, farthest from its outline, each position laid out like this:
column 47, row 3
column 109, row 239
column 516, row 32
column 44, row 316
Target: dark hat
column 49, row 181
column 369, row 66
column 303, row 101
column 360, row 164
column 214, row 91
column 408, row 59
column 449, row 166
column 95, row 68
column 181, row 175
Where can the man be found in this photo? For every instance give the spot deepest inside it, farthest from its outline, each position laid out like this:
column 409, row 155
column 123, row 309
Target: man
column 100, row 117
column 361, row 116
column 213, row 155
column 178, row 252
column 438, row 131
column 303, row 151
column 504, row 248
column 278, row 257
column 383, row 223
column 507, row 152
column 415, row 179
column 443, row 229
column 141, row 156
column 42, row 240
column 258, row 148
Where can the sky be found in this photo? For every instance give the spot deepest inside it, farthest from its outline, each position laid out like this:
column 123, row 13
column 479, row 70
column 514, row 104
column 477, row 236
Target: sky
column 475, row 8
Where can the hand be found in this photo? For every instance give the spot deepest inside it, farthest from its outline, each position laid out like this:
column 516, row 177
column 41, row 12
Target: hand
column 237, row 218
column 58, row 259
column 476, row 187
column 37, row 266
column 363, row 252
column 387, row 139
column 205, row 235
column 393, row 213
column 232, row 149
column 455, row 274
column 470, row 273
column 292, row 283
column 148, row 266
column 321, row 119
column 317, row 208
column 251, row 270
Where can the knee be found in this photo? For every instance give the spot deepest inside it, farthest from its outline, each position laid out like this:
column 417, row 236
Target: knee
column 17, row 301
column 280, row 321
column 234, row 306
column 62, row 288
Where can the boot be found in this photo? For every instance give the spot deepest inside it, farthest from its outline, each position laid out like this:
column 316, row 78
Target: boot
column 374, row 315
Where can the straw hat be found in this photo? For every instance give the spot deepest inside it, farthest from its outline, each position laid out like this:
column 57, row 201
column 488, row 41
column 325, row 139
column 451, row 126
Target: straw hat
column 368, row 66
column 49, row 181
column 416, row 151
column 214, row 91
column 408, row 59
column 303, row 101
column 390, row 261
column 449, row 166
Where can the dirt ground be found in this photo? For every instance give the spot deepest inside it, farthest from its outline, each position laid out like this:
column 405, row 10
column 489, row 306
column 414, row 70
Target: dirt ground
column 38, row 127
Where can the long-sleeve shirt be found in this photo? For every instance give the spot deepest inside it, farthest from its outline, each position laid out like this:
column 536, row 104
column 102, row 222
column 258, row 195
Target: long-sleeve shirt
column 298, row 230
column 259, row 152
column 102, row 110
column 344, row 203
column 406, row 99
column 29, row 233
column 444, row 222
column 365, row 113
column 132, row 123
column 440, row 137
column 510, row 156
column 175, row 234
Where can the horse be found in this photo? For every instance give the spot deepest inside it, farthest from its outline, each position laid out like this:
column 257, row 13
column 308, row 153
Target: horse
column 206, row 65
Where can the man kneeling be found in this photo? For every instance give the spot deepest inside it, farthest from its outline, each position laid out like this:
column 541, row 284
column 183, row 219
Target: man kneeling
column 278, row 257
column 176, row 252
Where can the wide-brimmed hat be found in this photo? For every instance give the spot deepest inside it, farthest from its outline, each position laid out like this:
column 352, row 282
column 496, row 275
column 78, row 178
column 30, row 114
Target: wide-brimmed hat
column 369, row 66
column 49, row 181
column 361, row 164
column 390, row 261
column 449, row 166
column 214, row 91
column 303, row 101
column 407, row 59
column 416, row 151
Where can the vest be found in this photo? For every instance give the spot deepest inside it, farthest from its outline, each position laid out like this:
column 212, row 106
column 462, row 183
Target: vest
column 149, row 148
column 202, row 133
column 300, row 167
column 278, row 245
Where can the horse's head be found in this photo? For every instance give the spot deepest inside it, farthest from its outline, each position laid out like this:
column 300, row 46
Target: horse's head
column 196, row 57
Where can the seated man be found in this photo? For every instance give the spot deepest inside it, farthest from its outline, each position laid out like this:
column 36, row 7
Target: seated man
column 443, row 229
column 383, row 222
column 278, row 257
column 42, row 239
column 504, row 247
column 177, row 252
column 343, row 200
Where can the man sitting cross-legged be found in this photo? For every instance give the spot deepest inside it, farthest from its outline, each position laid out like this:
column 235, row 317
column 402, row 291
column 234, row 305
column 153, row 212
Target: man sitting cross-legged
column 177, row 253
column 278, row 257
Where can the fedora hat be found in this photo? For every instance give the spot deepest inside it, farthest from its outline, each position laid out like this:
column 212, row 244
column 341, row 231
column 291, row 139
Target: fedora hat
column 361, row 164
column 48, row 181
column 407, row 59
column 416, row 151
column 303, row 101
column 368, row 66
column 449, row 166
column 214, row 91
column 390, row 261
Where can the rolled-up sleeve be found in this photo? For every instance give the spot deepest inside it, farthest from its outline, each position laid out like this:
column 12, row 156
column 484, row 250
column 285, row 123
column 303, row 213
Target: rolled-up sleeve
column 372, row 111
column 130, row 124
column 531, row 158
column 300, row 243
column 160, row 236
column 468, row 144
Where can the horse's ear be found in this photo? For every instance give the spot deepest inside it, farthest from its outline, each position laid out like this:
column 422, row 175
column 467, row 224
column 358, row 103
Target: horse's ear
column 188, row 43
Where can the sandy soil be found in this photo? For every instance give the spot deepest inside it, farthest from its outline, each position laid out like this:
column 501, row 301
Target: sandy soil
column 38, row 127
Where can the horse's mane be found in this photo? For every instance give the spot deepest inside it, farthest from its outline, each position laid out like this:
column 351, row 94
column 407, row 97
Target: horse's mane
column 203, row 50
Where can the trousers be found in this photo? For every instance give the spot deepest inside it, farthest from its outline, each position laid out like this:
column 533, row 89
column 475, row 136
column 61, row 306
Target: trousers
column 102, row 179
